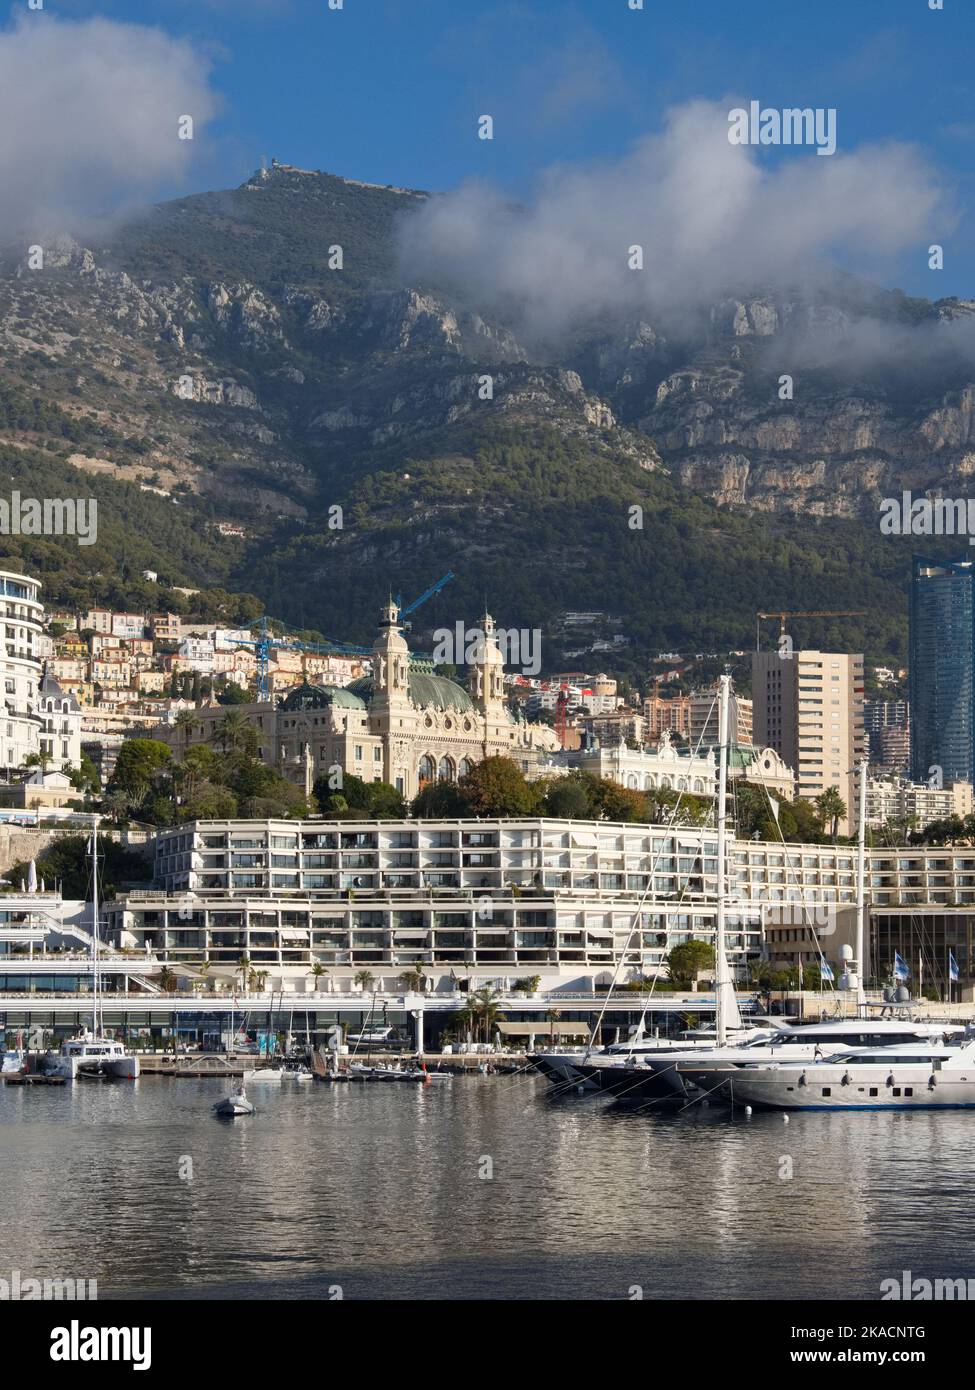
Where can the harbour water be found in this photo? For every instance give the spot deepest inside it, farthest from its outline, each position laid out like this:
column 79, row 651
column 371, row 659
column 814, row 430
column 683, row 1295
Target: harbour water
column 384, row 1191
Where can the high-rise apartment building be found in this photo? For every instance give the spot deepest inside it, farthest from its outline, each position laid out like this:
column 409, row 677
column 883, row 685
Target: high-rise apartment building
column 895, row 748
column 672, row 715
column 20, row 631
column 886, row 724
column 703, row 708
column 809, row 707
column 942, row 647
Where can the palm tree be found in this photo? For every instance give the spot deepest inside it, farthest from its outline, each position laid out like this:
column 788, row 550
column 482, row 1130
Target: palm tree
column 412, row 979
column 185, row 722
column 167, row 980
column 488, row 1013
column 831, row 807
column 467, row 1016
column 244, row 970
column 553, row 1017
column 118, row 805
column 232, row 730
column 365, row 978
column 316, row 972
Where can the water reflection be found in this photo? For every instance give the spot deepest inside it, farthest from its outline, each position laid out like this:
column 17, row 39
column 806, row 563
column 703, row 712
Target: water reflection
column 384, row 1190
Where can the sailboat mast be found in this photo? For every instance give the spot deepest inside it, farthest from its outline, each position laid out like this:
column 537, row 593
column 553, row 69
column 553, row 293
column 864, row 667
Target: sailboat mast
column 721, row 967
column 95, row 1019
column 861, row 885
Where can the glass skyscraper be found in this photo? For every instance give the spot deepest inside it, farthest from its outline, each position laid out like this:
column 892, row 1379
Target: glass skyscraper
column 942, row 643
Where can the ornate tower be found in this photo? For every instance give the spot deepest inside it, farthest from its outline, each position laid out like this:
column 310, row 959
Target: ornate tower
column 390, row 663
column 487, row 673
column 391, row 715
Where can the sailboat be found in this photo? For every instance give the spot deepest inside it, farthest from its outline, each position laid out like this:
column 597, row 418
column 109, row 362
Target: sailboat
column 92, row 1055
column 630, row 1067
column 613, row 1068
column 717, row 1074
column 236, row 1103
column 697, row 1068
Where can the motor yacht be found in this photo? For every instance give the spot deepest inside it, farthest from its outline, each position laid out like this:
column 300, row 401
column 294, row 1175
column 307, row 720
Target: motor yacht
column 686, row 1075
column 917, row 1076
column 91, row 1056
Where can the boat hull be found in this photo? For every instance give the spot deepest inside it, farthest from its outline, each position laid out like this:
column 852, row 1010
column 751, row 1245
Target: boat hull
column 113, row 1068
column 558, row 1069
column 851, row 1088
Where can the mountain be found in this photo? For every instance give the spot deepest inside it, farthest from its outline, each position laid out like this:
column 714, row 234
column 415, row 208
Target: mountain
column 262, row 404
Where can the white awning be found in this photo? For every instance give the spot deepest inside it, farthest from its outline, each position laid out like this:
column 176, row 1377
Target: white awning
column 542, row 1027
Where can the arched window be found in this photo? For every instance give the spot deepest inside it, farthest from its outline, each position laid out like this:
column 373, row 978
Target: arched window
column 698, row 784
column 647, row 782
column 446, row 770
column 427, row 768
column 665, row 783
column 631, row 781
column 465, row 767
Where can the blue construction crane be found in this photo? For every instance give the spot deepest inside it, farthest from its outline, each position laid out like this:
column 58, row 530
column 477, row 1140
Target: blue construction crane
column 427, row 593
column 265, row 640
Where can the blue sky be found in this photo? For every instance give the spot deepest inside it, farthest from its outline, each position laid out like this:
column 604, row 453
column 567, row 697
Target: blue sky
column 389, row 90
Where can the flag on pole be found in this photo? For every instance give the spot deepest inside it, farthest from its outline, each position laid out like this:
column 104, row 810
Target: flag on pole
column 901, row 969
column 953, row 973
column 825, row 970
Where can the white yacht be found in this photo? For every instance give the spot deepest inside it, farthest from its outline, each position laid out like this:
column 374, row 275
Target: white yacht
column 919, row 1076
column 263, row 1074
column 689, row 1074
column 701, row 1072
column 90, row 1057
column 296, row 1070
column 93, row 1055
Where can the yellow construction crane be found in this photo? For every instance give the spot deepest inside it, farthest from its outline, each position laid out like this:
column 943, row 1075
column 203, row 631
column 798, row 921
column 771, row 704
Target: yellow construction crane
column 781, row 614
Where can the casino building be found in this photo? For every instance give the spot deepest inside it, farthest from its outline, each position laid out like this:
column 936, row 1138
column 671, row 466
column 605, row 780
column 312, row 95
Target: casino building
column 404, row 724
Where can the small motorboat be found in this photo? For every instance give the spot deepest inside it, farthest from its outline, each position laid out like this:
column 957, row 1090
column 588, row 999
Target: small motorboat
column 235, row 1104
column 296, row 1071
column 13, row 1062
column 262, row 1074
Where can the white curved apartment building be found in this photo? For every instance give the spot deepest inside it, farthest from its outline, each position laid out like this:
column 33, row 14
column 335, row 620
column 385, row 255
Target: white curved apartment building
column 21, row 612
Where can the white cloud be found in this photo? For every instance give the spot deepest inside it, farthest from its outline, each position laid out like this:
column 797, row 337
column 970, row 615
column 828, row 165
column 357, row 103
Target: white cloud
column 89, row 116
column 711, row 218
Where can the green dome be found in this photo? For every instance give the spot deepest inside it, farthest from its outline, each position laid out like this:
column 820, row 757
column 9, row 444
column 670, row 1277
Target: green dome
column 425, row 689
column 307, row 696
